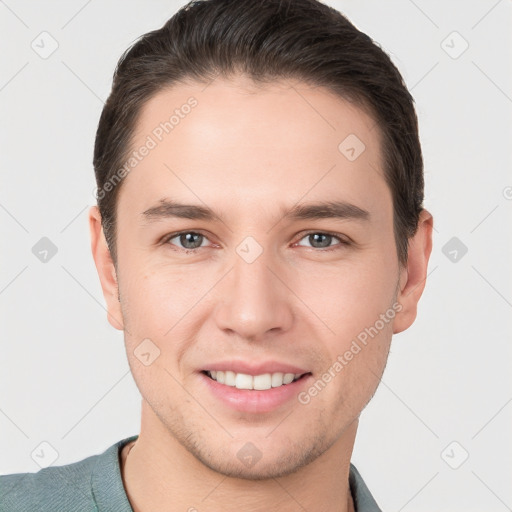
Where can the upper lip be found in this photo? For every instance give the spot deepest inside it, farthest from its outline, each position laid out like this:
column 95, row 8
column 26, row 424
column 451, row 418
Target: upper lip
column 253, row 368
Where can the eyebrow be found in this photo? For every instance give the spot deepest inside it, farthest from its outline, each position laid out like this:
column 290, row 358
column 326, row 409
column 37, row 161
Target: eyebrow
column 306, row 211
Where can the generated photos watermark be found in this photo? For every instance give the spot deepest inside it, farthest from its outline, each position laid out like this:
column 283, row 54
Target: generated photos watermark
column 342, row 360
column 156, row 136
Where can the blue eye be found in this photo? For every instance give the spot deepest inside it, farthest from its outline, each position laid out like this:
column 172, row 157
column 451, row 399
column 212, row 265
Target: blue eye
column 321, row 240
column 191, row 240
column 188, row 240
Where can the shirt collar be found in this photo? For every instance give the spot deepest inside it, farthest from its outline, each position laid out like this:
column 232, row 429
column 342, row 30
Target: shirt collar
column 106, row 482
column 363, row 499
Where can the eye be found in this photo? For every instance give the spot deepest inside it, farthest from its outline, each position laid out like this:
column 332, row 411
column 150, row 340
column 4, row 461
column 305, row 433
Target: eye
column 321, row 240
column 191, row 240
column 187, row 240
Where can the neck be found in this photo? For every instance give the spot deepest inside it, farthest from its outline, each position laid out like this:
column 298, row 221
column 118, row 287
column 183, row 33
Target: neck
column 160, row 474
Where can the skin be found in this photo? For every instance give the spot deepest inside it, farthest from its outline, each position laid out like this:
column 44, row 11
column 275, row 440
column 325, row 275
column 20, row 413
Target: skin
column 250, row 153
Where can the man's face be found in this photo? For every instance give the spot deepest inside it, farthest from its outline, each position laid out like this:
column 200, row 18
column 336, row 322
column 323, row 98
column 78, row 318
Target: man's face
column 255, row 290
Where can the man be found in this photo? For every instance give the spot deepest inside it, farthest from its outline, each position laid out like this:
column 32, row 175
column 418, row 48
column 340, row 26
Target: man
column 259, row 238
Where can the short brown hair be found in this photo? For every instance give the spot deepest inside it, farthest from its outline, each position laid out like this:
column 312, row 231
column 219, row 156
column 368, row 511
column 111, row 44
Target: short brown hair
column 265, row 40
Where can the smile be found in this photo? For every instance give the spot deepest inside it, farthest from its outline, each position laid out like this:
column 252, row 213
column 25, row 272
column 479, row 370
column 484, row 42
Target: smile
column 255, row 382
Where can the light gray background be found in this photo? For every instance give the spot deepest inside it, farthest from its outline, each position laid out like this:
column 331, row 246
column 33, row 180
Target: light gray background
column 64, row 377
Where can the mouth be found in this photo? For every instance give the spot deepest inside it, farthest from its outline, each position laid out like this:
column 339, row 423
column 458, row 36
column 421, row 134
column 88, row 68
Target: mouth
column 260, row 382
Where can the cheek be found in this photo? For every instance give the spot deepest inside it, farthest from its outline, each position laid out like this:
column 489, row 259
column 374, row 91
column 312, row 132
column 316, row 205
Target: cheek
column 157, row 300
column 166, row 306
column 157, row 309
column 349, row 297
column 355, row 360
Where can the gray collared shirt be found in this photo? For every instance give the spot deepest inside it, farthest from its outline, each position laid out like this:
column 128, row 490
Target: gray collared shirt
column 94, row 484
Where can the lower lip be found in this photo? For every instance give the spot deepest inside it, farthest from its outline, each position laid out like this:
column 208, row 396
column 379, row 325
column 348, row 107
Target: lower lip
column 252, row 400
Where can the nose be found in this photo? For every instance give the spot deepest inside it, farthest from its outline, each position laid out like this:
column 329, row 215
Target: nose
column 253, row 301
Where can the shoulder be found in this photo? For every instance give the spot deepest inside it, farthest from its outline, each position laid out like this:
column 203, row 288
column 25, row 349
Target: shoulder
column 52, row 488
column 68, row 487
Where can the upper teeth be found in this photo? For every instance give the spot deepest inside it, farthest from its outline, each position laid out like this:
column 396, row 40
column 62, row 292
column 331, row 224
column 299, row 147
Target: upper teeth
column 260, row 382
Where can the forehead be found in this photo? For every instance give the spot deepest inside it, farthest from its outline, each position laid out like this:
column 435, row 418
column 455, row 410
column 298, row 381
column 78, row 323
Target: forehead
column 254, row 143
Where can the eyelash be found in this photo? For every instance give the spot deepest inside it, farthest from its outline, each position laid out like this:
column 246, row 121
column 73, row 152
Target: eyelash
column 343, row 242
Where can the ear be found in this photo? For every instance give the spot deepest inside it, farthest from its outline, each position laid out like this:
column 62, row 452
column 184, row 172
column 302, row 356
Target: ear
column 414, row 274
column 106, row 269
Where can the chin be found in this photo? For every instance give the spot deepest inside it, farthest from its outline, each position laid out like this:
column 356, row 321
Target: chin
column 249, row 463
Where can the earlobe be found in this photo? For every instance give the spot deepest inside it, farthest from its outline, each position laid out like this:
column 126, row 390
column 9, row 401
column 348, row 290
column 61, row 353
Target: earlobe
column 106, row 269
column 413, row 276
